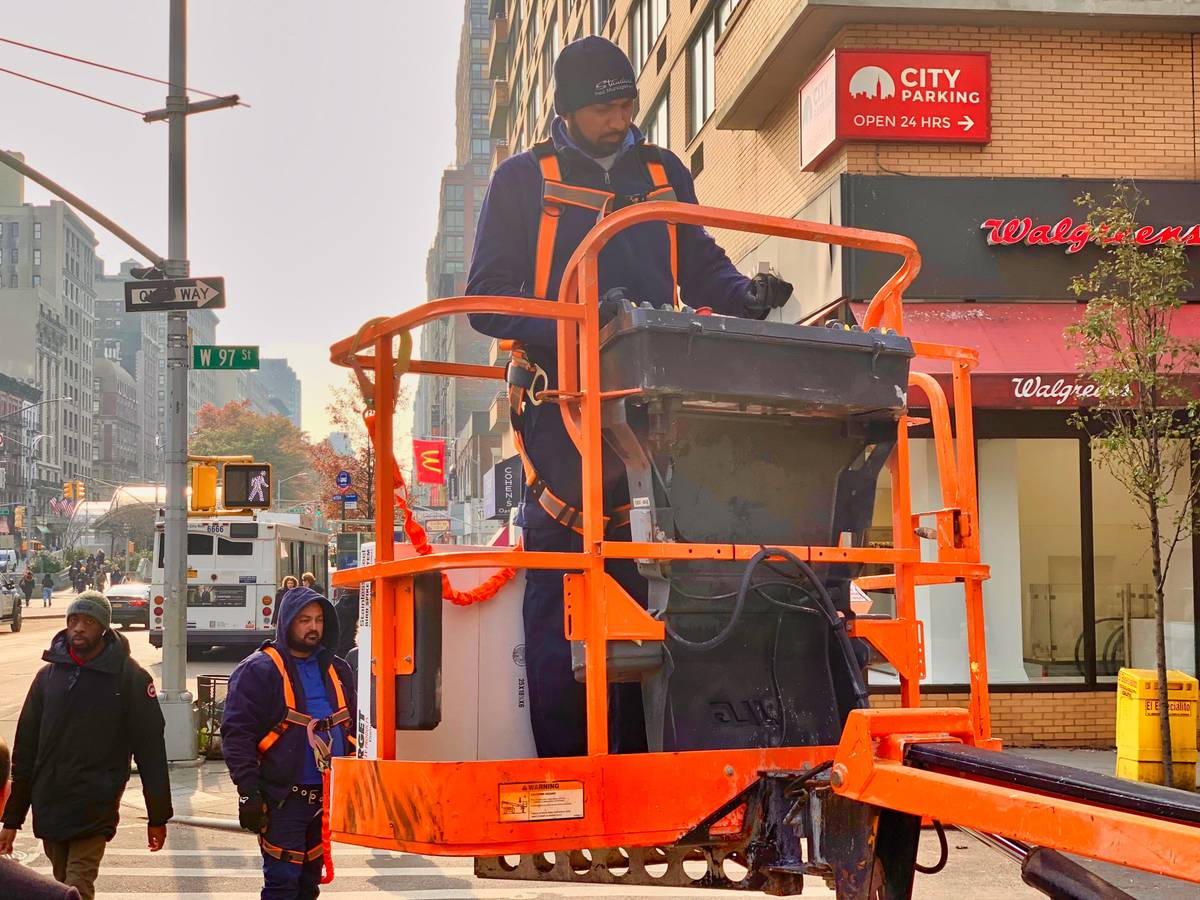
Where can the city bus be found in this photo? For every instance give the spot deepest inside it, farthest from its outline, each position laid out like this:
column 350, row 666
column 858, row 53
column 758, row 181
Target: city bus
column 235, row 565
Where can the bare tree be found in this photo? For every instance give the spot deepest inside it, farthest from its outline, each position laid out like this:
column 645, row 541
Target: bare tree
column 1144, row 425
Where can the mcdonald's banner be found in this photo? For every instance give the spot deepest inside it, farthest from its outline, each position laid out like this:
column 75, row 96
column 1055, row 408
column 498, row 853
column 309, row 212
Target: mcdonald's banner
column 429, row 460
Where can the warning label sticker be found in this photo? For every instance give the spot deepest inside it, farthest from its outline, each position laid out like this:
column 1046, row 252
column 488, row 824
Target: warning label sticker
column 541, row 801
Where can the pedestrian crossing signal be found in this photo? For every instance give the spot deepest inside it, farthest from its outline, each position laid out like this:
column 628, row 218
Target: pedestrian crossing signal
column 246, row 486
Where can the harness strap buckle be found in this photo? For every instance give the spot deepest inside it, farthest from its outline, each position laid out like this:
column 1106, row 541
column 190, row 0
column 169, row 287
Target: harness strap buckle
column 620, row 202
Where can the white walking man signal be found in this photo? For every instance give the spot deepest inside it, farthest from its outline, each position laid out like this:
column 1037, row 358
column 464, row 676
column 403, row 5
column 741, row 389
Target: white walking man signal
column 258, row 484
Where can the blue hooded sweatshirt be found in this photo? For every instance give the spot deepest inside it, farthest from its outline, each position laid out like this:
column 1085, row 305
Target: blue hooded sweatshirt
column 255, row 705
column 637, row 259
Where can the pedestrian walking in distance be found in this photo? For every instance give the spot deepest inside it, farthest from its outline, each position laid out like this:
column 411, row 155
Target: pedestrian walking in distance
column 309, row 580
column 27, row 585
column 47, row 589
column 273, row 695
column 89, row 710
column 17, row 880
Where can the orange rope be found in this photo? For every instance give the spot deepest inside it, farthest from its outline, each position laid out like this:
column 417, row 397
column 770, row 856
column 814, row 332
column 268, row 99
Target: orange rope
column 321, row 750
column 420, row 539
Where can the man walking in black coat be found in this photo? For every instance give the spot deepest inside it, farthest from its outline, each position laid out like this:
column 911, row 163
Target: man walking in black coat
column 88, row 711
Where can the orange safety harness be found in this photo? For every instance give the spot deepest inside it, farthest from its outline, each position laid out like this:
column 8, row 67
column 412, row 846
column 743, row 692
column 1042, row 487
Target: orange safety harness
column 321, row 753
column 522, row 375
column 556, row 194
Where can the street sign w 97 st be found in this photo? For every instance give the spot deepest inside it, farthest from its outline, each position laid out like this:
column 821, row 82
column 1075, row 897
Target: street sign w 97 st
column 211, row 356
column 174, row 294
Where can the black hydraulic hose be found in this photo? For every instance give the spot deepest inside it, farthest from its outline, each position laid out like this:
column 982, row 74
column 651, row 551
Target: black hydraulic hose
column 945, row 852
column 825, row 602
column 836, row 622
column 723, row 635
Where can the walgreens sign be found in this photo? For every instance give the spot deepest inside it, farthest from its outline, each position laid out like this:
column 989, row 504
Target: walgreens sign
column 894, row 95
column 1073, row 236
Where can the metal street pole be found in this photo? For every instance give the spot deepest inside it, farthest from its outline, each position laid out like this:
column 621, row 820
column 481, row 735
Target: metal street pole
column 174, row 697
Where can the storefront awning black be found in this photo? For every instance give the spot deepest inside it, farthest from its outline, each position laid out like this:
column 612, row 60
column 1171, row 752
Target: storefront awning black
column 1024, row 360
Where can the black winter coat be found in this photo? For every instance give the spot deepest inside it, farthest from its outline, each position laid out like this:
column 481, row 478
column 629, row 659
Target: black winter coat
column 77, row 731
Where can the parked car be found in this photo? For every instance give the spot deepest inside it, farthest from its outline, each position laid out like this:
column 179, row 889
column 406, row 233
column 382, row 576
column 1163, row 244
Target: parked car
column 130, row 603
column 10, row 602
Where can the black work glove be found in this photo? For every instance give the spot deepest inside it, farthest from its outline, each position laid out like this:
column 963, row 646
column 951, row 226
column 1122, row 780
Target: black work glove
column 767, row 292
column 252, row 811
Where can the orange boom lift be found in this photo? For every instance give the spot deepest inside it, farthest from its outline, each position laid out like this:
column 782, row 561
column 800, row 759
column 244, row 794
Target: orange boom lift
column 759, row 817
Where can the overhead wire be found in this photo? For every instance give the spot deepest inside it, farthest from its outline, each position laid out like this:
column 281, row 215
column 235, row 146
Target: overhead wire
column 106, row 67
column 64, row 88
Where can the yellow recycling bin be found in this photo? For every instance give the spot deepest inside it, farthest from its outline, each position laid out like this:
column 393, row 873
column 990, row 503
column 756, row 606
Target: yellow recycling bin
column 1139, row 742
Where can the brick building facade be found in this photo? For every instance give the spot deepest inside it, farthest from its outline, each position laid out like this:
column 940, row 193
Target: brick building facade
column 1078, row 99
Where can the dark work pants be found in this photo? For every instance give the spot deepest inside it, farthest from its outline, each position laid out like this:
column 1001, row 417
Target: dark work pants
column 557, row 702
column 294, row 826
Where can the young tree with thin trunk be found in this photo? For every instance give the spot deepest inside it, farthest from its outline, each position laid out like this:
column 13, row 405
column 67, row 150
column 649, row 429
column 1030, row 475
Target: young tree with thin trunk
column 1144, row 424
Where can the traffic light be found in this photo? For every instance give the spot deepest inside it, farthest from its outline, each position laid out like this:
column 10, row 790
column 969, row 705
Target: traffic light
column 246, row 486
column 68, row 490
column 80, row 491
column 19, row 517
column 204, row 488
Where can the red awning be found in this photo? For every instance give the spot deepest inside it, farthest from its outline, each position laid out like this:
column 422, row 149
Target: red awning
column 1024, row 360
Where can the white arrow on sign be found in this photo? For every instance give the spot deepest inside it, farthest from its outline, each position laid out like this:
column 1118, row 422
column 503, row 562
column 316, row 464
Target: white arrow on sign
column 966, row 122
column 200, row 293
column 206, row 293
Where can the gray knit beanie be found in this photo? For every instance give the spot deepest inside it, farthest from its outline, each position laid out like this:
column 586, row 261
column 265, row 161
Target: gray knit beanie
column 94, row 604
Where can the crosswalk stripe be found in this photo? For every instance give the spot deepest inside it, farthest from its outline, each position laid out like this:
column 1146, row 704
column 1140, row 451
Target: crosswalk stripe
column 127, row 871
column 522, row 891
column 339, row 851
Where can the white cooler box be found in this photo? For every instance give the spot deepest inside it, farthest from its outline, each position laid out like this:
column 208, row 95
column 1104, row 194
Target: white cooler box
column 484, row 691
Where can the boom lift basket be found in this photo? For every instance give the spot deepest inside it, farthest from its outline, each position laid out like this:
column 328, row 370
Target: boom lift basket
column 745, row 444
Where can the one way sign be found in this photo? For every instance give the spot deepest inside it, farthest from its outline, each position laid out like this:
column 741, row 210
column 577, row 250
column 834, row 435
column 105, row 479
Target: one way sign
column 175, row 293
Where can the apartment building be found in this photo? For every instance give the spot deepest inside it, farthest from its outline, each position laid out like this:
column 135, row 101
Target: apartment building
column 136, row 342
column 118, row 437
column 282, row 388
column 47, row 297
column 444, row 407
column 833, row 112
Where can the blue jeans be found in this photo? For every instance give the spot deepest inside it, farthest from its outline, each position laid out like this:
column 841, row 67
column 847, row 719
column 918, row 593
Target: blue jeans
column 46, row 592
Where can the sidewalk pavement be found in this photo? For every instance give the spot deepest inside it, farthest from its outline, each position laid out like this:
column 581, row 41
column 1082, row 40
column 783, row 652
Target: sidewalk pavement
column 202, row 790
column 59, row 601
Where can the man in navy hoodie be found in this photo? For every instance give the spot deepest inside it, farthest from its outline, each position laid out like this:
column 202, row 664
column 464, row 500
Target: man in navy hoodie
column 595, row 161
column 272, row 695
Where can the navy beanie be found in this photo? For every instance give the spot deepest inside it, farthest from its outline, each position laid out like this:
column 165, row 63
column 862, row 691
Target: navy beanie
column 591, row 70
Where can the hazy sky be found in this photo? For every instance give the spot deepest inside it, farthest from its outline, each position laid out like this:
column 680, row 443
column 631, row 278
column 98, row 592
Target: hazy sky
column 318, row 204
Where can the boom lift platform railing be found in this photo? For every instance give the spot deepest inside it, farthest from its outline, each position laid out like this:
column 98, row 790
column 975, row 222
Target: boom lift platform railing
column 753, row 817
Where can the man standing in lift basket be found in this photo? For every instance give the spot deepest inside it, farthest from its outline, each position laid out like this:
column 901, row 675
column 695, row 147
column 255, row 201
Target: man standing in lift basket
column 274, row 695
column 538, row 209
column 89, row 709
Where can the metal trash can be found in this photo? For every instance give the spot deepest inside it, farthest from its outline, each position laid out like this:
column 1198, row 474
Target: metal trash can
column 210, row 708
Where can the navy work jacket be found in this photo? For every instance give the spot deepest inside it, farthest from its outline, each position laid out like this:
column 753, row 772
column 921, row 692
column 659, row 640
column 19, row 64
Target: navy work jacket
column 255, row 704
column 637, row 259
